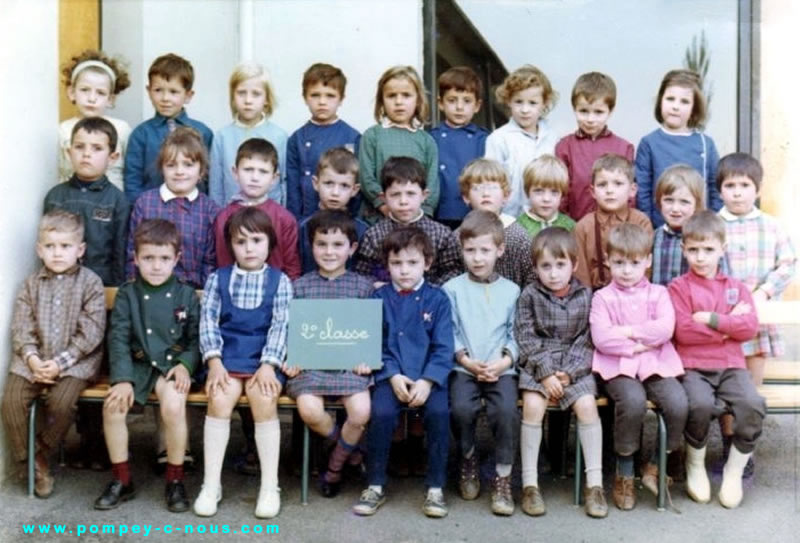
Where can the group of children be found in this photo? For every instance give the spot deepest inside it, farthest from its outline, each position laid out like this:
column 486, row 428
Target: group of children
column 504, row 262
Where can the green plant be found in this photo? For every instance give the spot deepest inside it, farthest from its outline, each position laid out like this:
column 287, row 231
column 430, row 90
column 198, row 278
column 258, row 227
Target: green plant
column 698, row 59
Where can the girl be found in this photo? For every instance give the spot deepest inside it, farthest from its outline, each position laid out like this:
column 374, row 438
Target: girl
column 681, row 110
column 528, row 95
column 401, row 109
column 243, row 326
column 93, row 80
column 252, row 102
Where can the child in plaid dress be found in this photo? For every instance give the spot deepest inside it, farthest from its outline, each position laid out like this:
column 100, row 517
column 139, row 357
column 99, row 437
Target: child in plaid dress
column 555, row 358
column 333, row 239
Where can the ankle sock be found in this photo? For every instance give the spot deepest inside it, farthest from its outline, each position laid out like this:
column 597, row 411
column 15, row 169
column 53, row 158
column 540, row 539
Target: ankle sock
column 337, row 460
column 174, row 472
column 503, row 470
column 122, row 472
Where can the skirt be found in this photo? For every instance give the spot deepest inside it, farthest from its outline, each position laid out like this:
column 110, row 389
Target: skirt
column 327, row 383
column 584, row 385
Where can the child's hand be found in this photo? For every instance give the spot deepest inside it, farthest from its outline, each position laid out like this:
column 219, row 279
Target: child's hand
column 34, row 363
column 553, row 387
column 494, row 368
column 563, row 378
column 182, row 379
column 420, row 390
column 703, row 317
column 400, row 386
column 742, row 308
column 362, row 369
column 218, row 378
column 266, row 381
column 640, row 348
column 473, row 366
column 48, row 371
column 290, row 371
column 120, row 397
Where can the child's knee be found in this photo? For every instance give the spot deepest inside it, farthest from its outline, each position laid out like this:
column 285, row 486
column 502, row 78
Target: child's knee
column 173, row 411
column 534, row 406
column 311, row 412
column 586, row 409
column 359, row 414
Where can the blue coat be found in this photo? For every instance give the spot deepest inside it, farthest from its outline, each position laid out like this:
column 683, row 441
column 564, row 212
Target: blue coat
column 457, row 147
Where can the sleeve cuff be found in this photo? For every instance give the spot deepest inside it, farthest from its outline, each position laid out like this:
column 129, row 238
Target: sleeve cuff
column 211, row 354
column 64, row 360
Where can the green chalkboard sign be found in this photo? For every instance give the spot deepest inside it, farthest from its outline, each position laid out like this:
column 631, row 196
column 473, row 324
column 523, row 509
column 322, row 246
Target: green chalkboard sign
column 335, row 334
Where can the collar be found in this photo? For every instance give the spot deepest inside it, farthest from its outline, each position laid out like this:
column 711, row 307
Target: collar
column 415, row 288
column 315, row 123
column 730, row 217
column 605, row 216
column 240, row 198
column 507, row 219
column 541, row 129
column 469, row 128
column 240, row 124
column 239, row 271
column 581, row 135
column 416, row 124
column 539, row 219
column 180, row 118
column 695, row 277
column 489, row 280
column 97, row 185
column 46, row 273
column 167, row 195
column 152, row 288
column 643, row 282
column 412, row 221
column 671, row 133
column 670, row 232
column 326, row 278
column 573, row 285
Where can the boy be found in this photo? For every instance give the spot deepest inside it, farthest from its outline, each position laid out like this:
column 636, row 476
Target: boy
column 153, row 345
column 403, row 180
column 91, row 195
column 593, row 99
column 336, row 184
column 459, row 141
column 714, row 315
column 57, row 338
column 545, row 181
column 483, row 305
column 612, row 188
column 170, row 80
column 256, row 171
column 323, row 92
column 417, row 359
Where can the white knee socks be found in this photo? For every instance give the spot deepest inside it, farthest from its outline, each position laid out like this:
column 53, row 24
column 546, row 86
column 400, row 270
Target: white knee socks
column 591, row 436
column 530, row 442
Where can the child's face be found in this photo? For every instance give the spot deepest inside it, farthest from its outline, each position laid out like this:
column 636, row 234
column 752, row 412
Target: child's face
column 703, row 255
column 250, row 249
column 90, row 154
column 544, row 201
column 331, row 250
column 168, row 96
column 739, row 194
column 406, row 267
column 249, row 99
column 480, row 255
column 487, row 196
column 527, row 107
column 335, row 189
column 156, row 262
column 91, row 93
column 181, row 174
column 612, row 189
column 677, row 207
column 255, row 176
column 400, row 100
column 59, row 251
column 676, row 107
column 459, row 107
column 323, row 102
column 592, row 116
column 628, row 271
column 554, row 272
column 404, row 200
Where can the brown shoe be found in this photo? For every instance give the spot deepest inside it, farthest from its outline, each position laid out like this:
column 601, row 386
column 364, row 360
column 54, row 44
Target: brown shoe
column 469, row 482
column 502, row 500
column 532, row 501
column 43, row 481
column 624, row 494
column 650, row 478
column 596, row 506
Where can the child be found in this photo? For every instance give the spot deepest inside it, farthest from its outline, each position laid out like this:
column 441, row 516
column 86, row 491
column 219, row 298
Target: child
column 458, row 140
column 680, row 110
column 256, row 172
column 483, row 305
column 333, row 241
column 323, row 92
column 252, row 102
column 152, row 346
column 170, row 79
column 336, row 185
column 714, row 315
column 89, row 193
column 593, row 99
column 57, row 338
column 484, row 185
column 93, row 82
column 243, row 328
column 632, row 321
column 401, row 109
column 552, row 330
column 528, row 95
column 405, row 189
column 417, row 359
column 612, row 187
column 545, row 181
column 183, row 159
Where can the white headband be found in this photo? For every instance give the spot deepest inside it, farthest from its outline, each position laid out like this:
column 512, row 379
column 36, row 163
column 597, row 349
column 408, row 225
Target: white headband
column 94, row 64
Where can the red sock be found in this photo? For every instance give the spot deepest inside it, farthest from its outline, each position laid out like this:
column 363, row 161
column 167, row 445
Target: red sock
column 174, row 472
column 122, row 472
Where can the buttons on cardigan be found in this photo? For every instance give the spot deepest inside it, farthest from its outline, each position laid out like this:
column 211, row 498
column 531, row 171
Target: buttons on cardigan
column 442, row 167
column 149, row 331
column 169, row 357
column 169, row 295
column 146, row 296
column 308, row 172
column 154, row 364
column 308, row 144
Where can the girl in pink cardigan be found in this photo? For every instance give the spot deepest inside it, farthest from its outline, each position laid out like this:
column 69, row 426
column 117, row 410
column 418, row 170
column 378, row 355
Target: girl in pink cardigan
column 632, row 321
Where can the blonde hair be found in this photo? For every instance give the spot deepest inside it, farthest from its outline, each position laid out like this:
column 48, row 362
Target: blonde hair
column 62, row 221
column 525, row 77
column 242, row 73
column 611, row 162
column 483, row 170
column 546, row 172
column 681, row 176
column 629, row 240
column 407, row 72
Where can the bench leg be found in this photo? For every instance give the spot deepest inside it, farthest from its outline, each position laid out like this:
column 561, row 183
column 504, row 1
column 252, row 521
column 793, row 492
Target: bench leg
column 31, row 447
column 304, row 474
column 662, row 462
column 578, row 470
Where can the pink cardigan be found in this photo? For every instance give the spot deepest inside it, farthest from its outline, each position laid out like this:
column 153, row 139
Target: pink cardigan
column 647, row 309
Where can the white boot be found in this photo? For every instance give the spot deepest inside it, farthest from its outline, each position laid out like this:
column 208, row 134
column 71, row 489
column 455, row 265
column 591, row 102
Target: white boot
column 215, row 440
column 268, row 444
column 730, row 493
column 206, row 503
column 697, row 484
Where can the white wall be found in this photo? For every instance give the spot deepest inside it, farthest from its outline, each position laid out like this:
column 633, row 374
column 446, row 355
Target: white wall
column 29, row 143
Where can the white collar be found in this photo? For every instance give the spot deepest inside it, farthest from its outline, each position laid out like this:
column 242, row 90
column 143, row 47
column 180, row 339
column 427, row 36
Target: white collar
column 242, row 199
column 167, row 195
column 412, row 221
column 386, row 122
column 415, row 288
column 239, row 271
column 240, row 124
column 728, row 216
column 507, row 219
column 537, row 218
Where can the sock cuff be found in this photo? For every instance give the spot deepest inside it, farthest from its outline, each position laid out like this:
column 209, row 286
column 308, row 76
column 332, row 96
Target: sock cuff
column 272, row 425
column 217, row 423
column 334, row 433
column 532, row 424
column 346, row 446
column 590, row 425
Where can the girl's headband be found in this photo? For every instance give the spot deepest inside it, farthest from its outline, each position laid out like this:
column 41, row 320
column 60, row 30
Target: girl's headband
column 94, row 64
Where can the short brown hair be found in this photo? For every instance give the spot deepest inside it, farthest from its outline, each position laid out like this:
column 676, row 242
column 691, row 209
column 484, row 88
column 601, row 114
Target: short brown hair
column 681, row 176
column 422, row 111
column 611, row 162
column 629, row 240
column 407, row 237
column 253, row 220
column 595, row 86
column 480, row 223
column 171, row 65
column 403, row 169
column 740, row 164
column 704, row 224
column 523, row 78
column 460, row 78
column 156, row 232
column 62, row 221
column 339, row 159
column 328, row 221
column 188, row 141
column 260, row 148
column 546, row 172
column 97, row 124
column 687, row 79
column 328, row 75
column 557, row 241
column 483, row 170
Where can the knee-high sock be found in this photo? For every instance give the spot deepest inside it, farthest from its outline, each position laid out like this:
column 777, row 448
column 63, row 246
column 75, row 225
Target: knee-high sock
column 268, row 444
column 592, row 444
column 215, row 440
column 530, row 442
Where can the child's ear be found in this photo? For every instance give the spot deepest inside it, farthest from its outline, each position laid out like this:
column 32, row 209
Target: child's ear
column 71, row 94
column 356, row 189
column 114, row 156
column 634, row 188
column 81, row 249
column 425, row 194
column 574, row 267
column 466, row 201
column 353, row 249
column 189, row 94
column 649, row 261
column 440, row 103
column 478, row 104
column 501, row 249
column 315, row 182
column 428, row 263
column 235, row 172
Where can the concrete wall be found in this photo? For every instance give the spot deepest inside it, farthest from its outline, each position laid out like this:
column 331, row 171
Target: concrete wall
column 29, row 143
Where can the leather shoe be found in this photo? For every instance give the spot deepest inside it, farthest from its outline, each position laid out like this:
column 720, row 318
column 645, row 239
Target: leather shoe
column 43, row 480
column 114, row 494
column 177, row 502
column 624, row 493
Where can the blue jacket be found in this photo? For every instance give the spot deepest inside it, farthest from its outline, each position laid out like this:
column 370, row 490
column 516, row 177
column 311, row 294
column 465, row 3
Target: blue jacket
column 457, row 147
